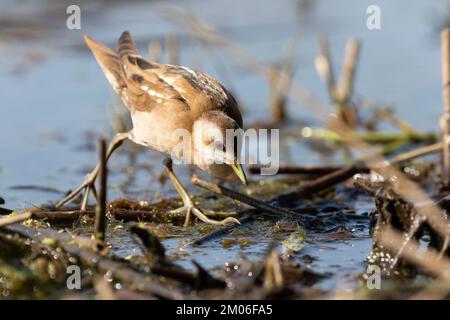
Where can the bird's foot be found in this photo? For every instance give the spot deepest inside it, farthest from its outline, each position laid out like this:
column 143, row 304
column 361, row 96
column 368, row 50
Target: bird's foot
column 190, row 209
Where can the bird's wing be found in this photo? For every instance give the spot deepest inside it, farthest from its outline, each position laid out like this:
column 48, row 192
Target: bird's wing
column 203, row 92
column 145, row 89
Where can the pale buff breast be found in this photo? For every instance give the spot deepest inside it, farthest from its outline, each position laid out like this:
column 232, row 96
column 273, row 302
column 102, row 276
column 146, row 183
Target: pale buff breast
column 163, row 133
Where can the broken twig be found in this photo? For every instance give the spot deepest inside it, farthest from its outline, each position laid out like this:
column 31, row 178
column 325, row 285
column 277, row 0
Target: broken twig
column 16, row 218
column 255, row 203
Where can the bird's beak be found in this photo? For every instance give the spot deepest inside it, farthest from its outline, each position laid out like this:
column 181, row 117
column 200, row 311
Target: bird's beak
column 237, row 168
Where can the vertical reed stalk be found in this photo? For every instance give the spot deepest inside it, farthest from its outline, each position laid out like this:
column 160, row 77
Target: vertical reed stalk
column 348, row 72
column 325, row 68
column 280, row 80
column 100, row 212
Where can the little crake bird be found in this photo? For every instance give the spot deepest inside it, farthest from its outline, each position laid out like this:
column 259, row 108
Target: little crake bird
column 162, row 99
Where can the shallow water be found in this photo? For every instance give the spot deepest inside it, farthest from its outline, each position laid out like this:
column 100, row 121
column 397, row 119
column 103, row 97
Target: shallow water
column 55, row 100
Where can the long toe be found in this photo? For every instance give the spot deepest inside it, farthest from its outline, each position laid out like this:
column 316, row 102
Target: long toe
column 199, row 214
column 187, row 210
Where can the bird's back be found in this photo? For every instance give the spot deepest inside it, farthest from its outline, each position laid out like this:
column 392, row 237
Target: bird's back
column 146, row 86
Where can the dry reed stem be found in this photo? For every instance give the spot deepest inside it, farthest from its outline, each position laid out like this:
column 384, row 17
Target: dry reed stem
column 255, row 203
column 348, row 71
column 6, row 221
column 419, row 152
column 278, row 86
column 445, row 44
column 324, row 67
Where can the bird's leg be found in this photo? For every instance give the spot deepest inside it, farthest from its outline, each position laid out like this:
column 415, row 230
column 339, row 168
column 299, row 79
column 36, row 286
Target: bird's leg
column 88, row 184
column 188, row 204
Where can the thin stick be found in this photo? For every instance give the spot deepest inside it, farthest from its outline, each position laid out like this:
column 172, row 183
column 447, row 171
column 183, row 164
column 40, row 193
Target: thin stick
column 416, row 153
column 100, row 212
column 94, row 192
column 318, row 184
column 255, row 203
column 312, row 170
column 115, row 143
column 85, row 200
column 325, row 68
column 386, row 114
column 445, row 43
column 401, row 124
column 62, row 216
column 406, row 156
column 15, row 219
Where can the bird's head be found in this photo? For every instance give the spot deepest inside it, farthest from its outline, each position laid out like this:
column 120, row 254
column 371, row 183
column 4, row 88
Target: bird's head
column 216, row 149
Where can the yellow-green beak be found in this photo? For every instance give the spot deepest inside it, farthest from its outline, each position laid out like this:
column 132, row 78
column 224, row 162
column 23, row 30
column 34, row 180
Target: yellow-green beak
column 237, row 168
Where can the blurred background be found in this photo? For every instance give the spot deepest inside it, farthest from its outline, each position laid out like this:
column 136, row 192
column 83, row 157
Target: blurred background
column 55, row 100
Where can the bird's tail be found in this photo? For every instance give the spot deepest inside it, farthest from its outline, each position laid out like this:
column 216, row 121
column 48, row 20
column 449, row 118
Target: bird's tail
column 126, row 45
column 109, row 61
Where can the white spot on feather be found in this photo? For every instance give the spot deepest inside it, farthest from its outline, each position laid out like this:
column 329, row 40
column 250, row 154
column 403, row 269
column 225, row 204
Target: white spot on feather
column 154, row 93
column 112, row 80
column 173, row 82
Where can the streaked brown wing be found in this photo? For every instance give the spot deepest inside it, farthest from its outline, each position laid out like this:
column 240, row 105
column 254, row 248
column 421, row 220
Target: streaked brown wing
column 145, row 90
column 134, row 78
column 145, row 85
column 202, row 91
